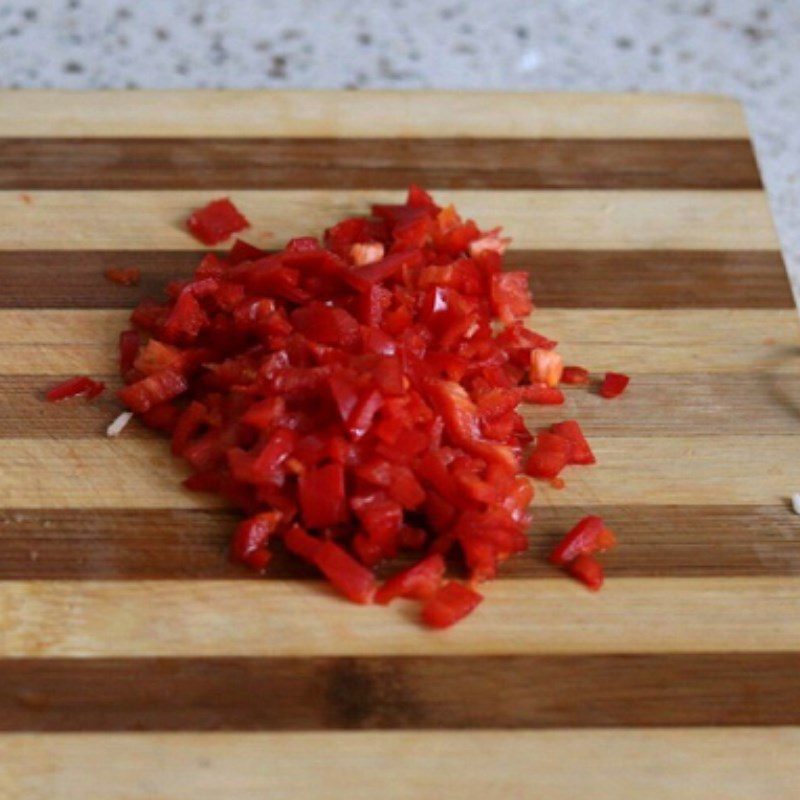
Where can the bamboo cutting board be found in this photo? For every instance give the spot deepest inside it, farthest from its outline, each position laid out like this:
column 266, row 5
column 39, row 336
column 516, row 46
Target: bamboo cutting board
column 136, row 662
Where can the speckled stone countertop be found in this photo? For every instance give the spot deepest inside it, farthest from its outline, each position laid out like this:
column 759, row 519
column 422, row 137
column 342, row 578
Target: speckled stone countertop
column 749, row 49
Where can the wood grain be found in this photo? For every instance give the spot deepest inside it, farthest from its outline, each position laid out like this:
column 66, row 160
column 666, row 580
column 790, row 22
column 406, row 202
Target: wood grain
column 710, row 403
column 573, row 219
column 63, row 342
column 331, row 163
column 127, row 639
column 716, row 470
column 386, row 114
column 559, row 278
column 679, row 764
column 137, row 619
column 410, row 693
column 191, row 544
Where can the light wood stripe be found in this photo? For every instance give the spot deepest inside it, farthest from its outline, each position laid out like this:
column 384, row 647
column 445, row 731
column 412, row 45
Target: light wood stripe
column 728, row 404
column 569, row 219
column 124, row 473
column 124, row 619
column 417, row 693
column 137, row 544
column 230, row 113
column 377, row 163
column 559, row 278
column 681, row 764
column 63, row 342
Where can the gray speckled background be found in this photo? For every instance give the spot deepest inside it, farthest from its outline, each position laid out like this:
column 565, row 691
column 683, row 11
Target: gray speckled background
column 746, row 48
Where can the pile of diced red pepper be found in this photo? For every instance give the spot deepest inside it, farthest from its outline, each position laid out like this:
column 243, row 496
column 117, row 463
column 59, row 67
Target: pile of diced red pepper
column 358, row 396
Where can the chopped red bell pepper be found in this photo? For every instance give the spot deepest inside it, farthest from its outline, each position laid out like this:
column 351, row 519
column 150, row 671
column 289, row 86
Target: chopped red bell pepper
column 360, row 395
column 301, row 543
column 153, row 390
column 352, row 579
column 249, row 543
column 551, row 454
column 216, row 221
column 418, row 582
column 587, row 570
column 577, row 376
column 580, row 452
column 129, row 344
column 451, row 603
column 322, row 498
column 81, row 386
column 589, row 536
column 124, row 276
column 614, row 384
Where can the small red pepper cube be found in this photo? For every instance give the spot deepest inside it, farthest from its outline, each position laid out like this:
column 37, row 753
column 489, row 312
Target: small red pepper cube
column 124, row 276
column 81, row 386
column 418, row 582
column 546, row 464
column 581, row 452
column 153, row 390
column 322, row 496
column 249, row 543
column 301, row 543
column 587, row 571
column 451, row 603
column 539, row 394
column 352, row 579
column 576, row 376
column 589, row 536
column 217, row 221
column 129, row 343
column 614, row 384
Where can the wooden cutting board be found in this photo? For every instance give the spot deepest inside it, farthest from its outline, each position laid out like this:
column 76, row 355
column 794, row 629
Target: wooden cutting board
column 136, row 662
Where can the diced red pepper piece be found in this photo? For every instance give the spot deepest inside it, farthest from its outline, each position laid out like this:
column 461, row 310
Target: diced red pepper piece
column 322, row 496
column 539, row 394
column 360, row 418
column 216, row 221
column 188, row 424
column 451, row 603
column 153, row 390
column 546, row 367
column 156, row 356
column 510, row 295
column 614, row 384
column 366, row 386
column 81, row 386
column 163, row 417
column 129, row 343
column 419, row 582
column 301, row 543
column 581, row 453
column 576, row 376
column 124, row 276
column 244, row 251
column 587, row 570
column 590, row 535
column 550, row 455
column 352, row 579
column 461, row 420
column 186, row 319
column 326, row 325
column 249, row 543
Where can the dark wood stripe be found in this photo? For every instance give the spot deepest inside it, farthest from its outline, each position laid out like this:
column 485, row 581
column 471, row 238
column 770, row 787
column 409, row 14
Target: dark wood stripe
column 136, row 544
column 710, row 404
column 29, row 164
column 655, row 279
column 560, row 278
column 583, row 691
